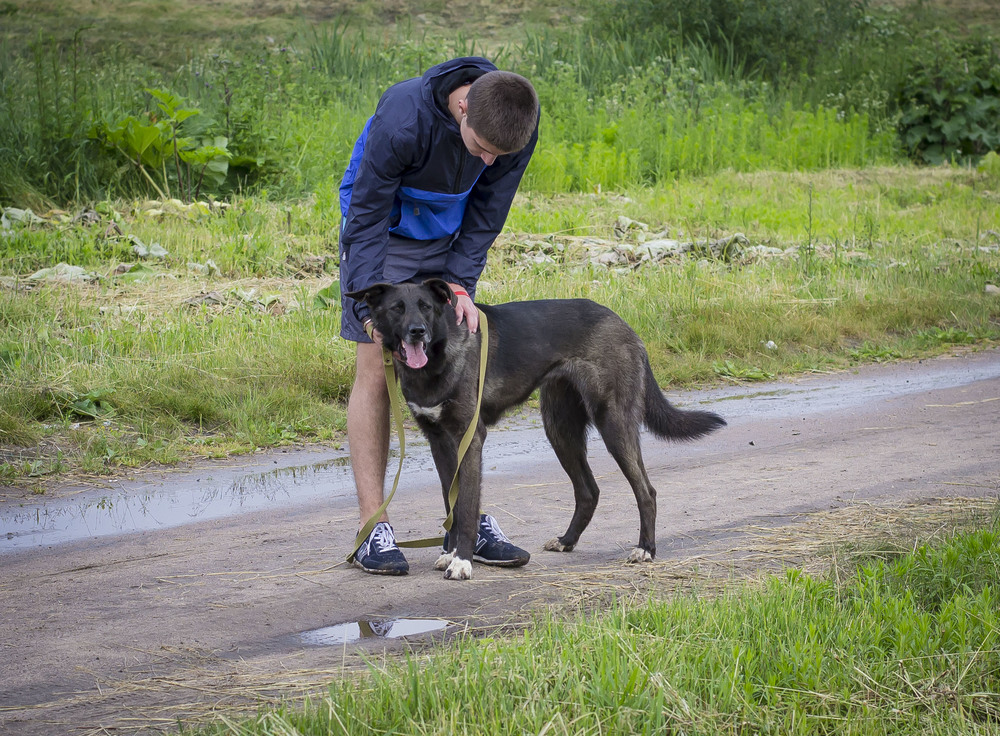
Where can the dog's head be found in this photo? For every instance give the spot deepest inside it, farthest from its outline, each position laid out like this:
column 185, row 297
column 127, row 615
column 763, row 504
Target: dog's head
column 408, row 316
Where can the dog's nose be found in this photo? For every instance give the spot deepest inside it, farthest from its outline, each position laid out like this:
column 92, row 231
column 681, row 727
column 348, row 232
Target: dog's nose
column 417, row 332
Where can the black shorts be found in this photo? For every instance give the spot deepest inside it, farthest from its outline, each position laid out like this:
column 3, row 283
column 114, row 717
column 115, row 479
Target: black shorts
column 405, row 260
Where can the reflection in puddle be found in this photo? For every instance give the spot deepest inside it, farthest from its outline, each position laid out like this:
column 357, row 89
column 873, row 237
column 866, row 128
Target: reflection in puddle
column 350, row 633
column 183, row 498
column 755, row 395
column 175, row 499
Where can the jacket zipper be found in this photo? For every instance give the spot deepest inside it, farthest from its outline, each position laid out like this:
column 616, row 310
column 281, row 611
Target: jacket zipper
column 457, row 187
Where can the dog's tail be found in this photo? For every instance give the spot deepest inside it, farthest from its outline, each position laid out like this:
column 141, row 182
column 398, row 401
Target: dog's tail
column 668, row 422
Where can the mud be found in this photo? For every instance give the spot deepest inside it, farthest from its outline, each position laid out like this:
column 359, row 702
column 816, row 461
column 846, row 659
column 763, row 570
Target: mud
column 180, row 593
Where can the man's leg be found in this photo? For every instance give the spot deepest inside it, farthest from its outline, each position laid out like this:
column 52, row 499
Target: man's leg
column 368, row 429
column 368, row 437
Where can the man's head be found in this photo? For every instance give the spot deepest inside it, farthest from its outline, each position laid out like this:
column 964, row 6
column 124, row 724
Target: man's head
column 500, row 112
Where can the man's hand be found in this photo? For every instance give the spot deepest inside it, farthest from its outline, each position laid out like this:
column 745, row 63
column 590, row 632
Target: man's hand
column 374, row 334
column 465, row 308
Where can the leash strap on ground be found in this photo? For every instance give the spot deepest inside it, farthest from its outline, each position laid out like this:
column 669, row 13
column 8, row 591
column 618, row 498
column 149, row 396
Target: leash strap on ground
column 392, row 385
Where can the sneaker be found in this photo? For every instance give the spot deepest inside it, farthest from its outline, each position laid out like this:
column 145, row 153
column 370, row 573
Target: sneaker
column 375, row 629
column 379, row 554
column 493, row 547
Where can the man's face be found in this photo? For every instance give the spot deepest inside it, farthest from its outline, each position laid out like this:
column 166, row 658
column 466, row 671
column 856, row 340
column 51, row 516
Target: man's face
column 476, row 145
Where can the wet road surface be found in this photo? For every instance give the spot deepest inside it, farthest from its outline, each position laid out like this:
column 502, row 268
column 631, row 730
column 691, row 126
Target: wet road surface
column 137, row 601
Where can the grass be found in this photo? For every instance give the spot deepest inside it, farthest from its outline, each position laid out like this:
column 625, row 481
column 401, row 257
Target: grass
column 617, row 115
column 170, row 360
column 222, row 347
column 888, row 642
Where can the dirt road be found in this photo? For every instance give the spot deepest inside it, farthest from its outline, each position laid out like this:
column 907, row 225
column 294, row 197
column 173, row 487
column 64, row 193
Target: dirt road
column 175, row 594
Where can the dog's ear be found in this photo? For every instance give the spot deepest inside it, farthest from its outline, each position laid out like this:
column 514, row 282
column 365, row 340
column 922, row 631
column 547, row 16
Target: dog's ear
column 440, row 289
column 370, row 296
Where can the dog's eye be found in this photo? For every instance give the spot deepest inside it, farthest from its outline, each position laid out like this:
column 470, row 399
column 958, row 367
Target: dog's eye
column 397, row 307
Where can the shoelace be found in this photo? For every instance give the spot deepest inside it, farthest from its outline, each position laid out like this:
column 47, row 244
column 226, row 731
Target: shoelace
column 487, row 526
column 490, row 524
column 383, row 538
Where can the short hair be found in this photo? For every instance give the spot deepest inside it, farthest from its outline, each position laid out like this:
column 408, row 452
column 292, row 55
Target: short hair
column 502, row 108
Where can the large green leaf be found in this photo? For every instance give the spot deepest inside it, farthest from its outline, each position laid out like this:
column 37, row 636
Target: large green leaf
column 327, row 298
column 166, row 101
column 145, row 142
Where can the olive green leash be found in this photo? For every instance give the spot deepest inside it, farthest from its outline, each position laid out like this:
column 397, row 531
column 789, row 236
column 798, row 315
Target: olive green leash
column 392, row 385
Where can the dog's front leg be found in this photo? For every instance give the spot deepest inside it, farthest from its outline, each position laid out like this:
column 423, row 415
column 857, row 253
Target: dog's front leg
column 464, row 532
column 444, row 450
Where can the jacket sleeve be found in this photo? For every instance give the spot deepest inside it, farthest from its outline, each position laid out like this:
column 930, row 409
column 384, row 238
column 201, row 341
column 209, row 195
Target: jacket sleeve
column 365, row 236
column 485, row 215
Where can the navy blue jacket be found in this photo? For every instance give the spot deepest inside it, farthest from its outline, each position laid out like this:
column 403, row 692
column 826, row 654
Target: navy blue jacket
column 411, row 174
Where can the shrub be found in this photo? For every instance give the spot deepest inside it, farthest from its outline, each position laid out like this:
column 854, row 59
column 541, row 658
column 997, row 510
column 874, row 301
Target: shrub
column 950, row 101
column 776, row 37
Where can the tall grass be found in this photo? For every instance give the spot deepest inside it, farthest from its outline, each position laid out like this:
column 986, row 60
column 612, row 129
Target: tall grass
column 900, row 647
column 190, row 380
column 616, row 113
column 167, row 361
column 636, row 149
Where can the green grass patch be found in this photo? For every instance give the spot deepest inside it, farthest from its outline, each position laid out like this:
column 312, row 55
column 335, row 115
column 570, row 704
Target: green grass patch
column 898, row 646
column 278, row 113
column 226, row 343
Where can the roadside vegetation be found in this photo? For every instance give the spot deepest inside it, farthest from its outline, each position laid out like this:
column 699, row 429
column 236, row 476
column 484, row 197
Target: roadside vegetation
column 760, row 190
column 169, row 237
column 889, row 642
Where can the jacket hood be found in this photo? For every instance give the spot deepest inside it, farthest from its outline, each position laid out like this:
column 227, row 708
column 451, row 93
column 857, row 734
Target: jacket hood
column 435, row 78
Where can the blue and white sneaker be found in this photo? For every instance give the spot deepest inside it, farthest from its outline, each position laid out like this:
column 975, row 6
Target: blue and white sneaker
column 493, row 547
column 379, row 555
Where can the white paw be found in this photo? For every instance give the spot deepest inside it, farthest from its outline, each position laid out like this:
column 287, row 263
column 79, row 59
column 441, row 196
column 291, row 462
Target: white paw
column 459, row 569
column 554, row 545
column 443, row 561
column 638, row 554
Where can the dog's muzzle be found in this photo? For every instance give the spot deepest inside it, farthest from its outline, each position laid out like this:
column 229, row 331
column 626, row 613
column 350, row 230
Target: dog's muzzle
column 412, row 347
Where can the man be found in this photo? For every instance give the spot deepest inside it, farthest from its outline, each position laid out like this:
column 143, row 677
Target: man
column 427, row 191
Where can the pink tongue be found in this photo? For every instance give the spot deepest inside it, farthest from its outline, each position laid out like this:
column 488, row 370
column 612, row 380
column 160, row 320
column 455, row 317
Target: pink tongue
column 415, row 355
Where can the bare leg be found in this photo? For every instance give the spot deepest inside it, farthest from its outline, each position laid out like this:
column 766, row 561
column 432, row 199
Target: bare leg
column 368, row 429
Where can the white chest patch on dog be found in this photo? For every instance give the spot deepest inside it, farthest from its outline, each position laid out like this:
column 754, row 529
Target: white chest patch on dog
column 430, row 412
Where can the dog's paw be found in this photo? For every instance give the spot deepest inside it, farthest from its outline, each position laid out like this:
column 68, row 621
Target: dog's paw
column 459, row 569
column 554, row 545
column 443, row 561
column 638, row 554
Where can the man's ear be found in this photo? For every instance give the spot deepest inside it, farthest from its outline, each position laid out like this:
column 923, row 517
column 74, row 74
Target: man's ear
column 370, row 296
column 440, row 289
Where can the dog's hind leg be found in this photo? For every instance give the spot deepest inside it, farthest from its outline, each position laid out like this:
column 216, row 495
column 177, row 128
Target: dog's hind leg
column 566, row 420
column 621, row 437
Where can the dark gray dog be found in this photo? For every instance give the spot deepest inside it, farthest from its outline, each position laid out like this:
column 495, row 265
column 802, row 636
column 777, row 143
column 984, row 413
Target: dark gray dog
column 589, row 365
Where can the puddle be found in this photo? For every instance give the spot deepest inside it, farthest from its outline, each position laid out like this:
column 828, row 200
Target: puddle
column 844, row 391
column 756, row 395
column 171, row 500
column 353, row 632
column 174, row 498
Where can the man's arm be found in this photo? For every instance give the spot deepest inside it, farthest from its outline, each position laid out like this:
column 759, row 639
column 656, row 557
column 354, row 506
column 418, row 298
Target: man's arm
column 365, row 237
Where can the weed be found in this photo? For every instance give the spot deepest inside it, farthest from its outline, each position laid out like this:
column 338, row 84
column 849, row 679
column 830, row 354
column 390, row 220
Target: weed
column 871, row 353
column 728, row 369
column 898, row 647
column 947, row 336
column 620, row 114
